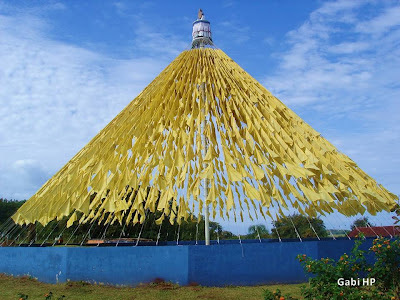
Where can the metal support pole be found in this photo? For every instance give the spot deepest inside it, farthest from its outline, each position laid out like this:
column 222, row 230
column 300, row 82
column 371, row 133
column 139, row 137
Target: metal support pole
column 206, row 213
column 207, row 216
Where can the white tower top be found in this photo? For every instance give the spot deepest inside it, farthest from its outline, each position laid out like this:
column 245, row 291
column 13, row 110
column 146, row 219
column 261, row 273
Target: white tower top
column 201, row 31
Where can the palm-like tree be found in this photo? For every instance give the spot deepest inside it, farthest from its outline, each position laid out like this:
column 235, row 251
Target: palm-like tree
column 255, row 231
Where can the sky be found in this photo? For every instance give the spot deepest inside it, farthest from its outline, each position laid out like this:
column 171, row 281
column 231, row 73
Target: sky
column 67, row 68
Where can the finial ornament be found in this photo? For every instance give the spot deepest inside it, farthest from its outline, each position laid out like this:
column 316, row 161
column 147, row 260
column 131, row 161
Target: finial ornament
column 201, row 31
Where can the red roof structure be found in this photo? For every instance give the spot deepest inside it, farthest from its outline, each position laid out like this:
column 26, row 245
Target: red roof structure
column 376, row 230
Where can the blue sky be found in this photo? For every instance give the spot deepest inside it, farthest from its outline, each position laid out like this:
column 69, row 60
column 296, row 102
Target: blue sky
column 67, row 68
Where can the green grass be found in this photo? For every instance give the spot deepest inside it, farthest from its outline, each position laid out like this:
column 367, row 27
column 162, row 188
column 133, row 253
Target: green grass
column 11, row 287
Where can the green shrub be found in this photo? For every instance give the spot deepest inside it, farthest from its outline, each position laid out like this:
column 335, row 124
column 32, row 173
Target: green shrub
column 276, row 295
column 326, row 272
column 22, row 296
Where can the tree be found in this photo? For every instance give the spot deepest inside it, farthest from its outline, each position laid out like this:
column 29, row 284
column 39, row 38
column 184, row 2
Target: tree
column 396, row 210
column 255, row 230
column 8, row 208
column 361, row 222
column 227, row 235
column 285, row 227
column 187, row 230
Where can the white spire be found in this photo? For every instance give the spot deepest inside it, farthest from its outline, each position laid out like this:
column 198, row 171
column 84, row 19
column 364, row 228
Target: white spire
column 201, row 31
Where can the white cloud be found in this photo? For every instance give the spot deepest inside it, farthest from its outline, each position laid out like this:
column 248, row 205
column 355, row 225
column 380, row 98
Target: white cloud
column 328, row 55
column 381, row 23
column 238, row 33
column 21, row 177
column 156, row 42
column 348, row 47
column 332, row 8
column 54, row 97
column 228, row 3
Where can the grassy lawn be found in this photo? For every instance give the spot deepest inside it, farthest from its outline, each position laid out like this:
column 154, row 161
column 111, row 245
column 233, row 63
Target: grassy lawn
column 11, row 287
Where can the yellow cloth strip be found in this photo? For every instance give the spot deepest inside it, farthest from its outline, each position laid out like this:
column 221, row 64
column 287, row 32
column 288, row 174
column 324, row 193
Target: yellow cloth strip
column 259, row 152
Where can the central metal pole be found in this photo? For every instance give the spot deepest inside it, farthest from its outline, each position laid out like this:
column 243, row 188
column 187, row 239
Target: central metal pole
column 207, row 228
column 206, row 189
column 207, row 214
column 201, row 37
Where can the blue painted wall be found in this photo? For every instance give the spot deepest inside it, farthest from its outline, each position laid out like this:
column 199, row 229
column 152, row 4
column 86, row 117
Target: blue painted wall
column 249, row 263
column 46, row 264
column 128, row 265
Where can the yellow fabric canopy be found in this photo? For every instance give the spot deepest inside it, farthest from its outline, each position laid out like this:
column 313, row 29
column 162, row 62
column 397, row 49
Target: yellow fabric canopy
column 153, row 156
